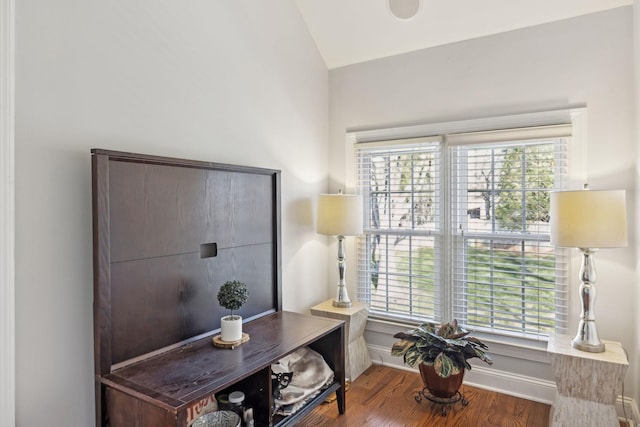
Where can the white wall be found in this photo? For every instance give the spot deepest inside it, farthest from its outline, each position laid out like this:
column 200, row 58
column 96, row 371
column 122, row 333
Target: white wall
column 7, row 217
column 241, row 82
column 226, row 81
column 636, row 40
column 550, row 66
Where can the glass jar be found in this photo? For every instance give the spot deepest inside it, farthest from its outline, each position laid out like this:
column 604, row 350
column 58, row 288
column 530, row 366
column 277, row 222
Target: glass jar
column 223, row 402
column 236, row 401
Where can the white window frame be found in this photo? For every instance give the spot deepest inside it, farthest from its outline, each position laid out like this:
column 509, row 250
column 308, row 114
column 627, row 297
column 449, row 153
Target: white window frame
column 408, row 145
column 576, row 176
column 460, row 231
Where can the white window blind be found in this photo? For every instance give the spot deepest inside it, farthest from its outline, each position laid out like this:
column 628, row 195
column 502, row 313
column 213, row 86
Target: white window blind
column 505, row 275
column 399, row 257
column 457, row 226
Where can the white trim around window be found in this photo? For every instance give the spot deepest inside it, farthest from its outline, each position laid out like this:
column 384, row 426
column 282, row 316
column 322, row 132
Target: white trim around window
column 577, row 116
column 7, row 214
column 554, row 119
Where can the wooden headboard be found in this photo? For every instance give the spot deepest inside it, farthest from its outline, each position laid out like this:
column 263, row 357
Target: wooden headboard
column 167, row 233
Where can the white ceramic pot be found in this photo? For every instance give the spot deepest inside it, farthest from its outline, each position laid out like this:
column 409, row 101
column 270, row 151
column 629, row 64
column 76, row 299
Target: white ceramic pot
column 231, row 328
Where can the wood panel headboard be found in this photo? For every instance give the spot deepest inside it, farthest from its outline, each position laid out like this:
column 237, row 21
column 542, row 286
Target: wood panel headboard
column 167, row 233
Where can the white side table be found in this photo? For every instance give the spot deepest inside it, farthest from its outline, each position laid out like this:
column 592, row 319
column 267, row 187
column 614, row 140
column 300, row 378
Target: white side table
column 587, row 384
column 355, row 319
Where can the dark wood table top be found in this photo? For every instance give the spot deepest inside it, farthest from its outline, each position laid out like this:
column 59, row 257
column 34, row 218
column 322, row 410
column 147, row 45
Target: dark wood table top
column 181, row 375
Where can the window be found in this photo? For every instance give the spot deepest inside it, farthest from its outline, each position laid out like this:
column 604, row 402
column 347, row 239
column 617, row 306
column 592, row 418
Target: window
column 457, row 226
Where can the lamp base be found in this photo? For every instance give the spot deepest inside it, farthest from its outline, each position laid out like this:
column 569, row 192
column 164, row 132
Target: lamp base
column 587, row 338
column 588, row 347
column 341, row 304
column 342, row 299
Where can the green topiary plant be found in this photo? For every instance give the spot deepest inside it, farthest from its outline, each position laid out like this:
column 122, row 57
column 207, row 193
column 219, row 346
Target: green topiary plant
column 233, row 295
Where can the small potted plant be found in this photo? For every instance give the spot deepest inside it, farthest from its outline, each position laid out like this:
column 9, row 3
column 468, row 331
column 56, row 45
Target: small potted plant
column 441, row 353
column 232, row 296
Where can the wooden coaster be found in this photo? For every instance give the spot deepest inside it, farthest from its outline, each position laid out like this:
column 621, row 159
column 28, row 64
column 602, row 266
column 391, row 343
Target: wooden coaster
column 217, row 341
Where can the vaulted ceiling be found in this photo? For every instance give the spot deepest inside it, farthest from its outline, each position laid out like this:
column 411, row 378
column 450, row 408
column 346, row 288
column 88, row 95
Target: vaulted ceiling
column 352, row 31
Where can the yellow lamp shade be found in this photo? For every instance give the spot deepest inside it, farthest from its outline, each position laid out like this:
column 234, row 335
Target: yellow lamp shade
column 340, row 214
column 588, row 219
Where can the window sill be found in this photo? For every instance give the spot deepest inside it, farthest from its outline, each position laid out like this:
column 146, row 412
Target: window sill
column 512, row 347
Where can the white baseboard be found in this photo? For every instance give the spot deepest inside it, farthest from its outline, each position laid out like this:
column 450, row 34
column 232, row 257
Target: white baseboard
column 522, row 386
column 627, row 410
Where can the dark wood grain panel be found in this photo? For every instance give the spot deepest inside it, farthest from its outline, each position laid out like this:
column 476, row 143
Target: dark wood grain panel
column 239, row 209
column 101, row 264
column 173, row 381
column 155, row 214
column 257, row 390
column 101, row 277
column 200, row 368
column 167, row 233
column 155, row 210
column 161, row 301
column 334, row 357
column 159, row 210
column 125, row 411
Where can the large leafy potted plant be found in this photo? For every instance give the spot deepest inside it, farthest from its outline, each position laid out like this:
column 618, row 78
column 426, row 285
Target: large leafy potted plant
column 232, row 296
column 441, row 353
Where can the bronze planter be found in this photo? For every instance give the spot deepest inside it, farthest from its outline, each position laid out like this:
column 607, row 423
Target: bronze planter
column 438, row 386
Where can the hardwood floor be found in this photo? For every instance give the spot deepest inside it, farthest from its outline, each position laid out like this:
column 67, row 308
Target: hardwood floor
column 384, row 397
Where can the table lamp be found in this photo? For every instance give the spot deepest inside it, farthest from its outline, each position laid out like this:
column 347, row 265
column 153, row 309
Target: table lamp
column 588, row 220
column 340, row 215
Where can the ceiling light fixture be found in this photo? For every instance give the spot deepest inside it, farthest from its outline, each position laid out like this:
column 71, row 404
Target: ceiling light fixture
column 404, row 9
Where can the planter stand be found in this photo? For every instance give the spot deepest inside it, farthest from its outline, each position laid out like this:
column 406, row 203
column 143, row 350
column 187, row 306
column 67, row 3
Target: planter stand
column 442, row 391
column 445, row 402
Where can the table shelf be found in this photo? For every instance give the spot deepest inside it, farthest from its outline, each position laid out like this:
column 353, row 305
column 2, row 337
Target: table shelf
column 163, row 390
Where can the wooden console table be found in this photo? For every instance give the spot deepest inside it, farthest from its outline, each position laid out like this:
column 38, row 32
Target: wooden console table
column 587, row 383
column 166, row 390
column 167, row 233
